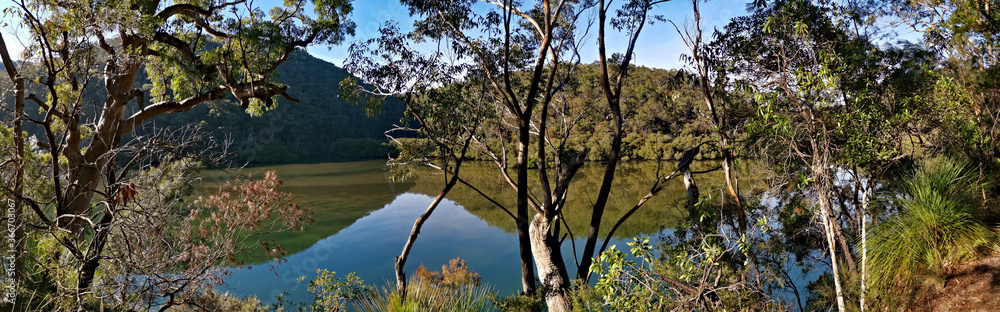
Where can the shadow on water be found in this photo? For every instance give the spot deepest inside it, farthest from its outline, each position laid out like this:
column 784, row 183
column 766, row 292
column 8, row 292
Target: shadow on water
column 362, row 219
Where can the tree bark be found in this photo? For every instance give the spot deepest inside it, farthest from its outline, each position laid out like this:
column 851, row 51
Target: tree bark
column 583, row 271
column 684, row 166
column 549, row 262
column 822, row 187
column 85, row 169
column 89, row 268
column 864, row 246
column 523, row 227
column 613, row 95
column 19, row 177
column 842, row 240
column 19, row 146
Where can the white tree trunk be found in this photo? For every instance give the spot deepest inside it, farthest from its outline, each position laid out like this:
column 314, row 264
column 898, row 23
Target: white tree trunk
column 864, row 245
column 549, row 263
column 828, row 225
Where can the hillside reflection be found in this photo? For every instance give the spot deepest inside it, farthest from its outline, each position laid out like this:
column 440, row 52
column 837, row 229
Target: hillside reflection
column 362, row 219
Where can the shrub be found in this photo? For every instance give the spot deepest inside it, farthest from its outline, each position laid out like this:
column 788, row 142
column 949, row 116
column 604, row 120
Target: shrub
column 936, row 229
column 455, row 288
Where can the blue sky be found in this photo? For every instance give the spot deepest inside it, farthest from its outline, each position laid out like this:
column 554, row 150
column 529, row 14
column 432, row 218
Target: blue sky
column 659, row 45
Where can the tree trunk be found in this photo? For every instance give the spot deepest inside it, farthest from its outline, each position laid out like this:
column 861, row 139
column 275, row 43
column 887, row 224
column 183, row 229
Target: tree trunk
column 89, row 268
column 684, row 166
column 401, row 259
column 523, row 227
column 733, row 185
column 549, row 261
column 19, row 177
column 583, row 271
column 19, row 152
column 864, row 246
column 85, row 169
column 824, row 202
column 843, row 244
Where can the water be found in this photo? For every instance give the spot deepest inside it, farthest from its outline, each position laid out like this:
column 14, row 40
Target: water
column 363, row 217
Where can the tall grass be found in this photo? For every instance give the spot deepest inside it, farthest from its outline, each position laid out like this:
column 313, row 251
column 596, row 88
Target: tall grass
column 454, row 288
column 936, row 229
column 433, row 298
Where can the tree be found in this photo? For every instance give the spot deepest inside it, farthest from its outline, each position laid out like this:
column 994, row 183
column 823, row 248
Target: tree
column 831, row 110
column 192, row 53
column 792, row 55
column 710, row 78
column 966, row 30
column 19, row 153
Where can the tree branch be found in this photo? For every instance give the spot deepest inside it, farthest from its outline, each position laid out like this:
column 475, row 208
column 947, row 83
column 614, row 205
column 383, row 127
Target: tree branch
column 169, row 107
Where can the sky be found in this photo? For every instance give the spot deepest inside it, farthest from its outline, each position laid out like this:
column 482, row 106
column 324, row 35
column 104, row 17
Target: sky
column 659, row 45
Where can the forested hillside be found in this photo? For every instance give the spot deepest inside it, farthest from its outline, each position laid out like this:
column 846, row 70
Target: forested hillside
column 322, row 127
column 660, row 111
column 661, row 114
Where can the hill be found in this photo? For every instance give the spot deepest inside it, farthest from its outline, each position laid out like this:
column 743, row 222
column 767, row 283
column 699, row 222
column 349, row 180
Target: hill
column 322, row 127
column 662, row 111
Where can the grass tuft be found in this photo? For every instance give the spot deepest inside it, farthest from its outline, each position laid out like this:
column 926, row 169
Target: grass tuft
column 936, row 229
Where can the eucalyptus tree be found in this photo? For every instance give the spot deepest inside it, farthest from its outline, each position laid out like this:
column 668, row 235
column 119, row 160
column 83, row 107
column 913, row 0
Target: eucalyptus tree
column 831, row 109
column 17, row 191
column 448, row 113
column 520, row 55
column 964, row 101
column 792, row 55
column 713, row 80
column 191, row 51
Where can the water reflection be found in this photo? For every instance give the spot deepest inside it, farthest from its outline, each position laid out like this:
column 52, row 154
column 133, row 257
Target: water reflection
column 362, row 219
column 368, row 246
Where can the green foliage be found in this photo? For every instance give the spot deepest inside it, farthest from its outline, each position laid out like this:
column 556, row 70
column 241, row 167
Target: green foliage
column 332, row 294
column 967, row 29
column 623, row 285
column 937, row 229
column 454, row 288
column 212, row 300
column 824, row 293
column 182, row 246
column 465, row 298
column 669, row 276
column 36, row 185
column 520, row 302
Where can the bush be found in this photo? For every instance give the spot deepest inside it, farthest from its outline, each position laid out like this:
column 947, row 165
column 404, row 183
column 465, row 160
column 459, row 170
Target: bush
column 454, row 288
column 936, row 230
